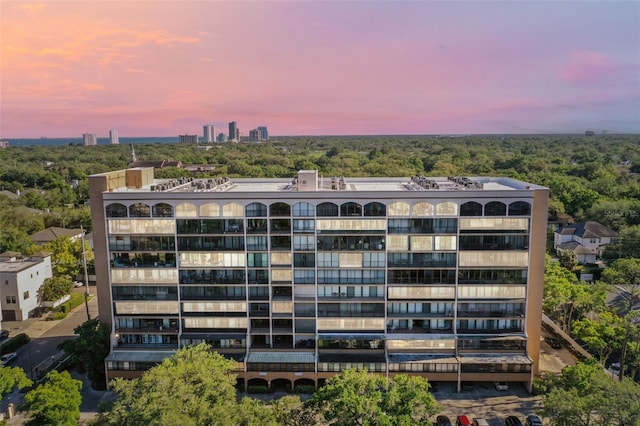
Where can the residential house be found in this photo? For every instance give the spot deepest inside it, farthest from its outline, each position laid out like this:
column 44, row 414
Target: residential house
column 20, row 280
column 586, row 239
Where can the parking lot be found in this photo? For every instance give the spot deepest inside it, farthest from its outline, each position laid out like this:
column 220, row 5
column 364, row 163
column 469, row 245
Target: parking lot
column 487, row 403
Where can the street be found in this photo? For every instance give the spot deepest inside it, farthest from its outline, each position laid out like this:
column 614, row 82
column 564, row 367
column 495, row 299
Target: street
column 42, row 351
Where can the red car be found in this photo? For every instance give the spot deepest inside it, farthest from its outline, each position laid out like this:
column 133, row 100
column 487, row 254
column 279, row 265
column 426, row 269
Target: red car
column 463, row 421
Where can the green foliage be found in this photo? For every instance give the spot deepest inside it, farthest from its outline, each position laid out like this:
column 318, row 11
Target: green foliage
column 258, row 389
column 55, row 288
column 290, row 411
column 11, row 377
column 623, row 272
column 602, row 335
column 358, row 398
column 193, row 387
column 67, row 256
column 89, row 350
column 305, row 389
column 14, row 343
column 566, row 299
column 586, row 395
column 55, row 402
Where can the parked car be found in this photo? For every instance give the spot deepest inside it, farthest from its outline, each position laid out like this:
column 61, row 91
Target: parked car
column 443, row 421
column 501, row 386
column 78, row 283
column 8, row 358
column 512, row 421
column 480, row 422
column 468, row 386
column 533, row 420
column 4, row 334
column 553, row 342
column 463, row 421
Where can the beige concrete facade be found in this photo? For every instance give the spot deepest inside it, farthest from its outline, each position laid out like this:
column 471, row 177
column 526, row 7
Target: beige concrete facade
column 298, row 279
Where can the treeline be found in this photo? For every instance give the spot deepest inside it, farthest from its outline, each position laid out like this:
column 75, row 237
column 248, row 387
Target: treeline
column 589, row 177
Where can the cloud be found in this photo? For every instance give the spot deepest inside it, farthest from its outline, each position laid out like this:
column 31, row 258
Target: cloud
column 93, row 87
column 208, row 59
column 587, row 67
column 134, row 70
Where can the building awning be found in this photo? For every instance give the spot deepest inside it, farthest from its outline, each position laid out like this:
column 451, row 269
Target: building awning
column 334, row 336
column 495, row 359
column 345, row 356
column 423, row 358
column 139, row 356
column 282, row 357
column 210, row 336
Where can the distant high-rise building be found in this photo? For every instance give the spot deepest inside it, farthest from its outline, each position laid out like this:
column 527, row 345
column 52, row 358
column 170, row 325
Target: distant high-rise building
column 234, row 133
column 188, row 138
column 208, row 133
column 222, row 137
column 263, row 133
column 113, row 137
column 254, row 135
column 89, row 139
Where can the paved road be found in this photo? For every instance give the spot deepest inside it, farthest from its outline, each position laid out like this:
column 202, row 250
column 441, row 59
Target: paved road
column 37, row 355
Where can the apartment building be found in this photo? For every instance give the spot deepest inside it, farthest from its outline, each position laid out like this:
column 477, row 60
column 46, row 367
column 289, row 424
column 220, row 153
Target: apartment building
column 20, row 280
column 297, row 279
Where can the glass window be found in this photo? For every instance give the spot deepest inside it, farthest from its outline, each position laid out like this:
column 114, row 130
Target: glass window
column 209, row 210
column 303, row 209
column 280, row 209
column 447, row 209
column 399, row 209
column 256, row 210
column 139, row 210
column 495, row 208
column 423, row 209
column 519, row 208
column 351, row 209
column 186, row 210
column 375, row 209
column 327, row 209
column 471, row 208
column 233, row 210
column 304, row 242
column 162, row 210
column 116, row 210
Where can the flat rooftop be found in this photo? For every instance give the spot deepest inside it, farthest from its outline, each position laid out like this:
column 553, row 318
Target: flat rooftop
column 331, row 184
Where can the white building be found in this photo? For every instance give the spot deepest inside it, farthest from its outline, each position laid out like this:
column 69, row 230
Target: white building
column 586, row 239
column 20, row 280
column 89, row 139
column 208, row 132
column 113, row 137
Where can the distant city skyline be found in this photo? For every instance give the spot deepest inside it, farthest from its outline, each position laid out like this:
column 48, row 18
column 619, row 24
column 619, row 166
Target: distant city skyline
column 319, row 68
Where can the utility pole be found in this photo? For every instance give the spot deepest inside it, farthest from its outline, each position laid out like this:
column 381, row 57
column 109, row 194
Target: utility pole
column 86, row 276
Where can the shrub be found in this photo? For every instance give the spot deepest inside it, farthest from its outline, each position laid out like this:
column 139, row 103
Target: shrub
column 14, row 343
column 58, row 316
column 258, row 389
column 305, row 389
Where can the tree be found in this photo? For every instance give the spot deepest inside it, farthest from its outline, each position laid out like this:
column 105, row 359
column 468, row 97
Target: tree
column 568, row 259
column 89, row 350
column 55, row 288
column 355, row 397
column 623, row 272
column 585, row 395
column 55, row 402
column 193, row 387
column 290, row 411
column 566, row 299
column 602, row 335
column 67, row 256
column 10, row 377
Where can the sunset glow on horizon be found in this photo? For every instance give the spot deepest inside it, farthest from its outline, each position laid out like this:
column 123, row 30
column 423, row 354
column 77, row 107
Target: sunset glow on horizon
column 163, row 68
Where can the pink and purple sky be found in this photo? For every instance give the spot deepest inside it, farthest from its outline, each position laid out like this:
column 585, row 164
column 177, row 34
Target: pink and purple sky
column 163, row 68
